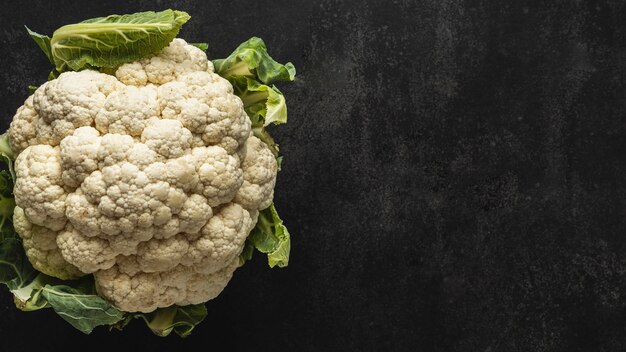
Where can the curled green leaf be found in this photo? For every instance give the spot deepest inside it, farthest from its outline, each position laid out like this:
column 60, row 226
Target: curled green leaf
column 251, row 71
column 251, row 59
column 271, row 236
column 264, row 104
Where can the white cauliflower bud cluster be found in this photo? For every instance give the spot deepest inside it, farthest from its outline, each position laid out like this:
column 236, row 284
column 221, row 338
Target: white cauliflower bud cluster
column 150, row 180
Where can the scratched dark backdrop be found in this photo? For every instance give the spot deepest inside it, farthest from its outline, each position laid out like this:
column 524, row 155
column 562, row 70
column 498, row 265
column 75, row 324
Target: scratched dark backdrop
column 454, row 177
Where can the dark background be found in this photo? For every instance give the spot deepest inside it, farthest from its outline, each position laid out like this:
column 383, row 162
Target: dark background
column 454, row 176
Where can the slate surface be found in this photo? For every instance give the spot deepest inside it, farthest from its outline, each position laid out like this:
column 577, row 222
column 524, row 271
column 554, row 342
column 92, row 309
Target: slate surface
column 454, row 176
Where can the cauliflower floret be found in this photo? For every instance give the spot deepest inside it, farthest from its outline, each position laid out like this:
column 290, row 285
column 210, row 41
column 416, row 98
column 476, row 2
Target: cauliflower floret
column 79, row 155
column 221, row 239
column 132, row 74
column 41, row 248
column 219, row 173
column 127, row 111
column 23, row 130
column 194, row 214
column 149, row 179
column 87, row 253
column 27, row 128
column 131, row 289
column 39, row 187
column 259, row 176
column 167, row 137
column 204, row 103
column 171, row 62
column 162, row 255
column 203, row 287
column 73, row 100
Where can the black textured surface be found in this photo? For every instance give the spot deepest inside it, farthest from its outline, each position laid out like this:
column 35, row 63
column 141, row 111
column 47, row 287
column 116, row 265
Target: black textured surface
column 454, row 176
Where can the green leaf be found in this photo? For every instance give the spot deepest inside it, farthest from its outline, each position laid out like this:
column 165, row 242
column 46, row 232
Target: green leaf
column 181, row 320
column 270, row 236
column 29, row 297
column 15, row 270
column 43, row 41
column 7, row 201
column 7, row 204
column 279, row 161
column 201, row 46
column 18, row 275
column 5, row 147
column 251, row 70
column 53, row 74
column 82, row 311
column 251, row 59
column 32, row 89
column 6, row 185
column 114, row 40
column 264, row 104
column 246, row 253
column 7, row 156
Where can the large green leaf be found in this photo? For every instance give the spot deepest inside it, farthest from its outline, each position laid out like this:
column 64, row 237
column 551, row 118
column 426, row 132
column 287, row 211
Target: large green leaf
column 82, row 311
column 113, row 40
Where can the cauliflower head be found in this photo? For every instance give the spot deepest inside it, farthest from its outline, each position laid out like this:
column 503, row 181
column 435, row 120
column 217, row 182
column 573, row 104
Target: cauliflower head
column 150, row 179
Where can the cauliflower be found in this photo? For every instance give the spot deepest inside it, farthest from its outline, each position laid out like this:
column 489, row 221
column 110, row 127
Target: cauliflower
column 141, row 175
column 150, row 179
